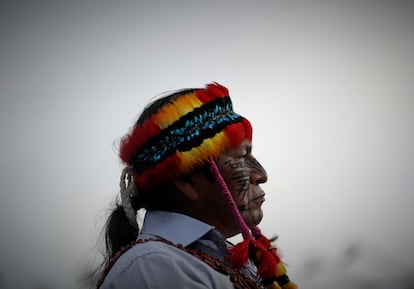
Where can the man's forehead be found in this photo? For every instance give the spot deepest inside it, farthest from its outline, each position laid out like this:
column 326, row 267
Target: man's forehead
column 245, row 145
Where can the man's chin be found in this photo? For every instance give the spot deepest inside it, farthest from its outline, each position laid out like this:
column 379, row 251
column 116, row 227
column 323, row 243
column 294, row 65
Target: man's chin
column 253, row 218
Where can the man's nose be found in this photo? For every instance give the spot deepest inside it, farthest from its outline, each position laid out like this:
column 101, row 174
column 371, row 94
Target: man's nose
column 258, row 174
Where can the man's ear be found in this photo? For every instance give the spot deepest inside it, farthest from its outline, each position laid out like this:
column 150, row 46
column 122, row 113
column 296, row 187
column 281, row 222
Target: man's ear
column 186, row 185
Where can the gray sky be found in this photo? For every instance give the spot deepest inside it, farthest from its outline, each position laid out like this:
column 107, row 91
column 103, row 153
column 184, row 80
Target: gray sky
column 328, row 86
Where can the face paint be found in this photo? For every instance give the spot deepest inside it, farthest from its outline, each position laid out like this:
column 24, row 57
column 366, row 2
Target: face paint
column 240, row 175
column 253, row 164
column 243, row 175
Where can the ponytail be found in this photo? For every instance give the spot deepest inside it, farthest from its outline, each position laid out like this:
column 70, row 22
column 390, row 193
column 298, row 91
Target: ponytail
column 121, row 227
column 118, row 232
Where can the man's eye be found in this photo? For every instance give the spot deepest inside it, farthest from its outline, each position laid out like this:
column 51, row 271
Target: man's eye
column 245, row 154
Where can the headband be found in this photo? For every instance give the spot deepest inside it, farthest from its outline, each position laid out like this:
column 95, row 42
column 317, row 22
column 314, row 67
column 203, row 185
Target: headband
column 189, row 131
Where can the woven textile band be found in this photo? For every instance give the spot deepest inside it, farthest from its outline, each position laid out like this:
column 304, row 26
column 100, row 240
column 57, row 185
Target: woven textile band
column 186, row 132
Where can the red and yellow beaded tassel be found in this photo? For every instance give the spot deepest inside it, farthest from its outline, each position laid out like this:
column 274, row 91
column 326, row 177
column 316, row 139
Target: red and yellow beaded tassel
column 278, row 278
column 270, row 268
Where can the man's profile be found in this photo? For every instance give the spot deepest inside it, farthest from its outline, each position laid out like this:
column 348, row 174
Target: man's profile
column 189, row 164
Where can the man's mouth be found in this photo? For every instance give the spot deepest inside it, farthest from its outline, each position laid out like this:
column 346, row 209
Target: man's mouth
column 258, row 198
column 254, row 203
column 257, row 202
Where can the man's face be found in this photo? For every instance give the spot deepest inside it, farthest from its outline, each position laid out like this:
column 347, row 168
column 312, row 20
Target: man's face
column 243, row 174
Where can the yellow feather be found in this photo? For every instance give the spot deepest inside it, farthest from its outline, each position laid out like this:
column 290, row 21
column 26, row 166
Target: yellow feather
column 180, row 106
column 208, row 150
column 274, row 285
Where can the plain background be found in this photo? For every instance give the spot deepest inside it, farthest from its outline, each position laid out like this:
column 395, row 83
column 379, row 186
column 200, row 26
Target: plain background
column 328, row 86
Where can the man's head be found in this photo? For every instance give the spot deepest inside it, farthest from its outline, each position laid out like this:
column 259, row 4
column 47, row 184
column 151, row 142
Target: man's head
column 191, row 153
column 172, row 145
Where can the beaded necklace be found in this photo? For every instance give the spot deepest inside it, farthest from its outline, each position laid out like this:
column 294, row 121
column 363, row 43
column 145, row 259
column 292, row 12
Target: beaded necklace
column 240, row 280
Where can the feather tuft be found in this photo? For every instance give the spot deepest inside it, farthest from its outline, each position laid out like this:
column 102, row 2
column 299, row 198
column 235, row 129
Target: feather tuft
column 264, row 260
column 239, row 254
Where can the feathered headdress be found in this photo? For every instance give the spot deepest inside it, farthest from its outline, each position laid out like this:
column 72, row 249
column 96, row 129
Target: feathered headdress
column 191, row 130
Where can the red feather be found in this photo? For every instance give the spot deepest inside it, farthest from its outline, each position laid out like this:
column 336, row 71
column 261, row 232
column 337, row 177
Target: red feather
column 217, row 89
column 239, row 254
column 264, row 260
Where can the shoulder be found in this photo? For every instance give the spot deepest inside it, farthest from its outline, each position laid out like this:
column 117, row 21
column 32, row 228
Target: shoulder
column 156, row 264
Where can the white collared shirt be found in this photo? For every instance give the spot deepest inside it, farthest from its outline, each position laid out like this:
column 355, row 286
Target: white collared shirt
column 156, row 265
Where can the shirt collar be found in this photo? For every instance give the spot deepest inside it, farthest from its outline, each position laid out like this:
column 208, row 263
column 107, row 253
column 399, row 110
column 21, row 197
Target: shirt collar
column 175, row 227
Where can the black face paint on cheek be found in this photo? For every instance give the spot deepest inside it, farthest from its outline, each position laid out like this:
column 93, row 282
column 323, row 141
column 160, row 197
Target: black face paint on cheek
column 252, row 216
column 240, row 175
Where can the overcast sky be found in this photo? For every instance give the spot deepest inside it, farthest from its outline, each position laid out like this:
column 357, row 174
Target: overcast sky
column 328, row 86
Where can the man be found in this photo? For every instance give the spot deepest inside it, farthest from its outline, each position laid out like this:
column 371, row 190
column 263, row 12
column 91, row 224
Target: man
column 190, row 166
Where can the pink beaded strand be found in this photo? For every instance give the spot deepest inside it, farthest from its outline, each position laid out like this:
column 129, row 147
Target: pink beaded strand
column 247, row 235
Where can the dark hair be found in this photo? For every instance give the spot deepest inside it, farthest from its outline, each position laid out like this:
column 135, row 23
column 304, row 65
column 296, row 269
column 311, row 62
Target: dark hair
column 118, row 232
